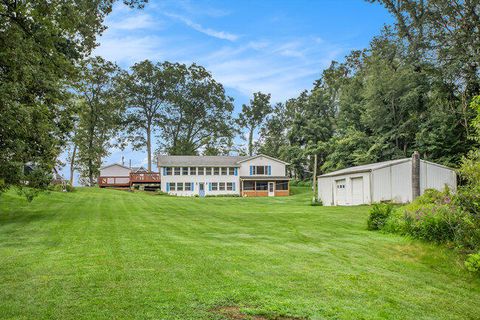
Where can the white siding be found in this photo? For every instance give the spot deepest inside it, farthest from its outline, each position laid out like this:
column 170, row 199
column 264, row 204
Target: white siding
column 433, row 176
column 327, row 188
column 115, row 171
column 393, row 183
column 278, row 168
column 196, row 179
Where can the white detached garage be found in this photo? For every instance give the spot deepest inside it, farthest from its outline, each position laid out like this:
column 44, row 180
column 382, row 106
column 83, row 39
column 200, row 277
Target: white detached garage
column 398, row 181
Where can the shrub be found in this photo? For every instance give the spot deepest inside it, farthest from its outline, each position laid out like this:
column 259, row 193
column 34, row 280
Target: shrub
column 395, row 222
column 379, row 213
column 69, row 188
column 473, row 262
column 468, row 198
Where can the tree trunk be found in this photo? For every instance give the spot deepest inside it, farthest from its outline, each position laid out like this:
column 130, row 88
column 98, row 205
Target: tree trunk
column 72, row 163
column 250, row 142
column 149, row 147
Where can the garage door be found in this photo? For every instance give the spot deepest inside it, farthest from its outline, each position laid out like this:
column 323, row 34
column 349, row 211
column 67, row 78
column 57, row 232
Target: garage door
column 357, row 190
column 340, row 194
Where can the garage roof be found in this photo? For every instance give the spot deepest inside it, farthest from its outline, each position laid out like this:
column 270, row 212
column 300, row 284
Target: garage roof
column 365, row 168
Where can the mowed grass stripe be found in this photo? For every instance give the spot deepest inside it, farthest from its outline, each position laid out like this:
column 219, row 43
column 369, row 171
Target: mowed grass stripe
column 103, row 254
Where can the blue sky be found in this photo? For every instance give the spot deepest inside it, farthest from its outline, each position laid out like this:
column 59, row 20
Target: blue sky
column 275, row 46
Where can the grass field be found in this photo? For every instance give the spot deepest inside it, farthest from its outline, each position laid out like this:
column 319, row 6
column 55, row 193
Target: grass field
column 109, row 254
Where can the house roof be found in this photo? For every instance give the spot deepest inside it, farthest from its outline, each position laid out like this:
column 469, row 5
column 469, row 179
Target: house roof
column 137, row 169
column 365, row 168
column 263, row 155
column 207, row 161
column 115, row 164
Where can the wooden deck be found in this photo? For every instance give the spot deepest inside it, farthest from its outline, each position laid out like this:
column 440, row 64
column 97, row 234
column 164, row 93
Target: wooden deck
column 128, row 181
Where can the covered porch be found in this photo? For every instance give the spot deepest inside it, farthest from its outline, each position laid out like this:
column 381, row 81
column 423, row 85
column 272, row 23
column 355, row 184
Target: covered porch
column 267, row 186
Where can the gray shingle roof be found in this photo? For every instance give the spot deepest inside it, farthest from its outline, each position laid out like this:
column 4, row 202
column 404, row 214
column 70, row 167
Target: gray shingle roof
column 365, row 167
column 206, row 161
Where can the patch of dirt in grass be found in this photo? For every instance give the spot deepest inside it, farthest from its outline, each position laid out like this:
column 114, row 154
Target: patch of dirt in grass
column 234, row 313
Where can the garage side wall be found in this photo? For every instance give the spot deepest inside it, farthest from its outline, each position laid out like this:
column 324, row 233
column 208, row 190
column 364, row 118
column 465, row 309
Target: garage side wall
column 393, row 183
column 433, row 176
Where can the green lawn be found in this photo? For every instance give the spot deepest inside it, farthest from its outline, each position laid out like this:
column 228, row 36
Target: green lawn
column 114, row 254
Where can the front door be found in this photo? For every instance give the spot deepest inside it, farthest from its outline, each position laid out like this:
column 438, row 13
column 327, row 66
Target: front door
column 271, row 189
column 201, row 189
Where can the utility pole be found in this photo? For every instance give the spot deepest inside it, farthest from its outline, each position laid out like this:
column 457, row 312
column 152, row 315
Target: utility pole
column 314, row 198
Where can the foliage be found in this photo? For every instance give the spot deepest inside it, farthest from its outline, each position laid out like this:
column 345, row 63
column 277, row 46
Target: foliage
column 41, row 45
column 100, row 110
column 253, row 115
column 145, row 91
column 198, row 113
column 378, row 215
column 473, row 262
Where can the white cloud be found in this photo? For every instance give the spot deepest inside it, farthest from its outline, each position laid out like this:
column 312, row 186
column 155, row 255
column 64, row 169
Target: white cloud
column 208, row 31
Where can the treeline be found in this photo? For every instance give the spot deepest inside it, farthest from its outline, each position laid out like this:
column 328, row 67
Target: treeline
column 409, row 90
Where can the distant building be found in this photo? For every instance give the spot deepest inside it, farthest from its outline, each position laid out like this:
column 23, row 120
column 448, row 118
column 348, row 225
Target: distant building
column 398, row 181
column 249, row 176
column 120, row 176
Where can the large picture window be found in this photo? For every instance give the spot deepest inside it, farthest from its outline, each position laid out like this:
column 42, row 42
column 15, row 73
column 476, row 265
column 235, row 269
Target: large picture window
column 248, row 185
column 281, row 185
column 262, row 185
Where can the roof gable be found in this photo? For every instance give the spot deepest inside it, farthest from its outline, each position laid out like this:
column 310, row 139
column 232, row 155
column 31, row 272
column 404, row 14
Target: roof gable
column 115, row 164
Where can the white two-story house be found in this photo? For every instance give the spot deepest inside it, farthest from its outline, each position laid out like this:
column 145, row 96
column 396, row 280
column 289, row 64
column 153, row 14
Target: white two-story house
column 248, row 176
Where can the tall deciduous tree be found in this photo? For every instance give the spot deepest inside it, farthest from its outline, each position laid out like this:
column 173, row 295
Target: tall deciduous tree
column 254, row 115
column 100, row 115
column 199, row 113
column 41, row 44
column 146, row 93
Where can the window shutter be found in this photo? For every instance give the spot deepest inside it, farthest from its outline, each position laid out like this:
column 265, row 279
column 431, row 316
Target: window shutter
column 251, row 170
column 168, row 186
column 193, row 183
column 209, row 186
column 236, row 171
column 269, row 170
column 233, row 186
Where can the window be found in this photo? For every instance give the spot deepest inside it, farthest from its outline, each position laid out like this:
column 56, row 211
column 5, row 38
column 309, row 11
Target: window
column 281, row 185
column 168, row 171
column 201, row 171
column 214, row 186
column 221, row 186
column 188, row 186
column 179, row 186
column 184, row 171
column 260, row 170
column 171, row 186
column 261, row 185
column 224, row 171
column 229, row 186
column 193, row 171
column 208, row 171
column 248, row 185
column 216, row 171
column 231, row 171
column 176, row 171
